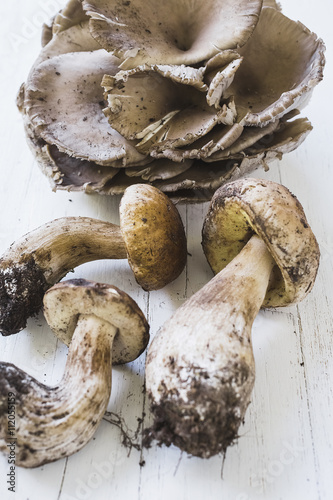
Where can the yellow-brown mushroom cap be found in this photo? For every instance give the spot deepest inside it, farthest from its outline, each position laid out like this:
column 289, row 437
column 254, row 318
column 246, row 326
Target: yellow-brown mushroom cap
column 154, row 236
column 255, row 206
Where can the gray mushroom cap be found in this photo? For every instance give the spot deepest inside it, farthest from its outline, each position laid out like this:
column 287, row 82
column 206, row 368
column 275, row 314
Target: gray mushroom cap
column 72, row 14
column 264, row 91
column 255, row 206
column 173, row 32
column 167, row 106
column 76, row 38
column 65, row 301
column 72, row 81
column 220, row 110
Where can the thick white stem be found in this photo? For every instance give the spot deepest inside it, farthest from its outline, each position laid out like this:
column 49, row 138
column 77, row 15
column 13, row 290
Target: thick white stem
column 200, row 367
column 54, row 422
column 237, row 292
column 44, row 256
column 62, row 244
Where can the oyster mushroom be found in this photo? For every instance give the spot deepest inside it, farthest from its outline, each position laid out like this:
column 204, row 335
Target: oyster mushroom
column 55, row 88
column 264, row 91
column 201, row 180
column 174, row 32
column 241, row 89
column 151, row 235
column 200, row 368
column 104, row 326
column 163, row 102
column 169, row 106
column 182, row 178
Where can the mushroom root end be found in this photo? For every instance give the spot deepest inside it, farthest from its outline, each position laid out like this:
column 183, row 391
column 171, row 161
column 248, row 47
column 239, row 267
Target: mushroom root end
column 206, row 422
column 22, row 287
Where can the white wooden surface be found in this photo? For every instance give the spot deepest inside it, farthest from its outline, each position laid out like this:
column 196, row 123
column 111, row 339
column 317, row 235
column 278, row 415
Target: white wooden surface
column 286, row 445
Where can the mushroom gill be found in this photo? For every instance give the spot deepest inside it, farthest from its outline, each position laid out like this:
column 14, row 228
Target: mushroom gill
column 264, row 91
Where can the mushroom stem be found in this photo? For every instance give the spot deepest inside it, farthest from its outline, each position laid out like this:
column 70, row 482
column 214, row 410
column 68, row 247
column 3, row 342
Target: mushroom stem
column 62, row 244
column 200, row 367
column 44, row 256
column 237, row 292
column 151, row 236
column 200, row 371
column 54, row 422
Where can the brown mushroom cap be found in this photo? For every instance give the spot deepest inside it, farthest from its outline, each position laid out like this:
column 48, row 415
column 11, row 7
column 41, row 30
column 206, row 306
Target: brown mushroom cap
column 65, row 301
column 255, row 206
column 154, row 235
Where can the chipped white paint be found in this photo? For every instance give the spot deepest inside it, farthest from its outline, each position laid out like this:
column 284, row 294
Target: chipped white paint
column 286, row 446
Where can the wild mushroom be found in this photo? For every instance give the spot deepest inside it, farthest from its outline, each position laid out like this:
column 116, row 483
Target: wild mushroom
column 151, row 235
column 170, row 106
column 175, row 91
column 202, row 180
column 105, row 327
column 175, row 32
column 265, row 91
column 200, row 367
column 209, row 107
column 56, row 86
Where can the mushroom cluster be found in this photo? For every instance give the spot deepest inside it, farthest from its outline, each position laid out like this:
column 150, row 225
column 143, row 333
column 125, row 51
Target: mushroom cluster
column 183, row 95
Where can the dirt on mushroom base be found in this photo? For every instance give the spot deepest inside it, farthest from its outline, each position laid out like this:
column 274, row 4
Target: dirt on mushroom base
column 180, row 422
column 15, row 280
column 199, row 394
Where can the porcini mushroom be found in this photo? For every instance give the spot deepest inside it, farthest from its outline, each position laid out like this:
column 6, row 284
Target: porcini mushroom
column 105, row 326
column 151, row 235
column 200, row 368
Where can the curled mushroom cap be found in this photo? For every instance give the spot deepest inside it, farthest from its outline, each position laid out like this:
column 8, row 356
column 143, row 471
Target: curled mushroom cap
column 174, row 32
column 264, row 91
column 255, row 206
column 200, row 367
column 170, row 106
column 56, row 86
column 183, row 81
column 72, row 14
column 106, row 326
column 66, row 301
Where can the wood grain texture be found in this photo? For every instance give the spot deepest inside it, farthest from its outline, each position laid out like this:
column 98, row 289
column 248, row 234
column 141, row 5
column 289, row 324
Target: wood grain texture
column 286, row 446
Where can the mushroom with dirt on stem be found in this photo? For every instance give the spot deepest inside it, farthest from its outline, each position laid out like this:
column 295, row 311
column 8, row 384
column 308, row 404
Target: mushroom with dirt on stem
column 104, row 326
column 200, row 367
column 151, row 236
